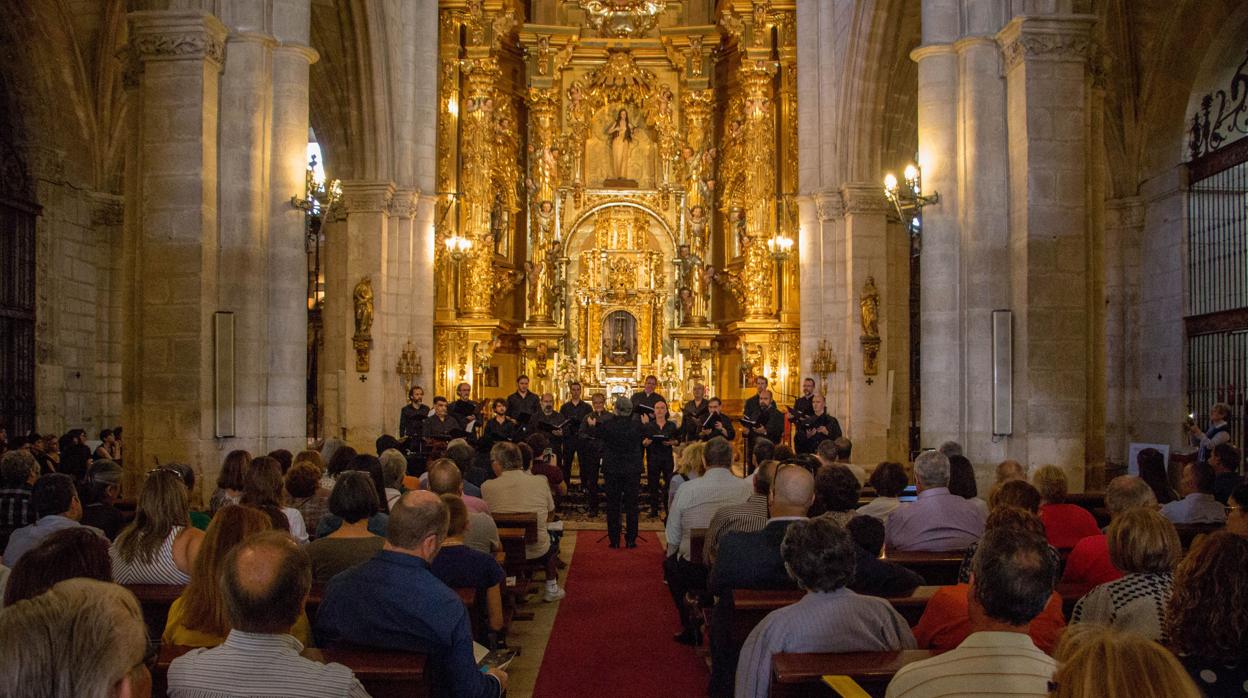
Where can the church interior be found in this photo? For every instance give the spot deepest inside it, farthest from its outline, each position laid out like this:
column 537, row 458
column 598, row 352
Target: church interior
column 1005, row 235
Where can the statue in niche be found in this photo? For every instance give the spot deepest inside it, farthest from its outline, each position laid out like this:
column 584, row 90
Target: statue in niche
column 869, row 304
column 620, row 135
column 619, row 339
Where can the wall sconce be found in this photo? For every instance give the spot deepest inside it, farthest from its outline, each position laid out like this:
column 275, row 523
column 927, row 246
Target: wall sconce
column 780, row 246
column 907, row 197
column 457, row 247
column 409, row 365
column 823, row 363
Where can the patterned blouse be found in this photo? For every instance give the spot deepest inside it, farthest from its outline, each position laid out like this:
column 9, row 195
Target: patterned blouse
column 1135, row 603
column 161, row 570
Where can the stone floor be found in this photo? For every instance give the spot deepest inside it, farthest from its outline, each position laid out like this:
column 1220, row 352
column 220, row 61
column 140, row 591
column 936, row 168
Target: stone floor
column 532, row 635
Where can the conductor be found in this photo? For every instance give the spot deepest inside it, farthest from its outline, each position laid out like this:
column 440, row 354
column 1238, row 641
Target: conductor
column 621, row 468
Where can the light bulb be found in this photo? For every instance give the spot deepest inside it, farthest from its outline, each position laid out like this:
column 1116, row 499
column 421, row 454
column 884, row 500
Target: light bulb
column 890, row 182
column 912, row 172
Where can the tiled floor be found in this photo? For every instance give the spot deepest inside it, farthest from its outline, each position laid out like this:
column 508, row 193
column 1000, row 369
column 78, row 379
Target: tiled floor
column 532, row 635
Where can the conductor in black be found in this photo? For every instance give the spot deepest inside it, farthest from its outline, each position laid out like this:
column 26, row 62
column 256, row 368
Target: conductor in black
column 621, row 468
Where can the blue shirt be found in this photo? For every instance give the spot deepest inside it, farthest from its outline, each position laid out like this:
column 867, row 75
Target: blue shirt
column 393, row 601
column 461, row 567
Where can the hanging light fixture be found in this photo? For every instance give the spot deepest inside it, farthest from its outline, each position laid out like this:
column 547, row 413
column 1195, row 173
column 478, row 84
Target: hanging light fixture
column 907, row 197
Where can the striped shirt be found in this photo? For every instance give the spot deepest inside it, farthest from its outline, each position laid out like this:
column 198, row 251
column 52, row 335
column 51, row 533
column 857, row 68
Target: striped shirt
column 252, row 664
column 746, row 517
column 160, row 570
column 996, row 663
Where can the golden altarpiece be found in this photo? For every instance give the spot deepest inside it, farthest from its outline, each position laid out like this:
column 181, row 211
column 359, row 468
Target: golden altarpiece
column 615, row 195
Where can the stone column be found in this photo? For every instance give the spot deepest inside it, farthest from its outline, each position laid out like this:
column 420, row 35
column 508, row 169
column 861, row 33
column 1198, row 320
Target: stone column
column 172, row 241
column 1124, row 226
column 1047, row 94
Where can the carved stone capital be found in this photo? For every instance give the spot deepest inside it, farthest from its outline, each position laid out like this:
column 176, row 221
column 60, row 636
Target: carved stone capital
column 829, row 205
column 367, row 197
column 1065, row 38
column 404, row 203
column 864, row 199
column 177, row 36
column 107, row 209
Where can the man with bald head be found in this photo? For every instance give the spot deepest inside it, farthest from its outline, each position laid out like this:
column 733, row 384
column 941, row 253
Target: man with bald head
column 266, row 583
column 751, row 560
column 394, row 601
column 482, row 533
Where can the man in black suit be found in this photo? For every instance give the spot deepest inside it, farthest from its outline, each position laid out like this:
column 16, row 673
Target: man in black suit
column 770, row 421
column 464, row 409
column 802, row 405
column 441, row 424
column 575, row 410
column 523, row 405
column 716, row 423
column 643, row 401
column 621, row 468
column 694, row 413
column 751, row 411
column 753, row 561
column 413, row 413
column 591, row 456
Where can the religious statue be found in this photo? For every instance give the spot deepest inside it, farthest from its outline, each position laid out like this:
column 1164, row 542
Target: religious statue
column 870, row 305
column 620, row 136
column 363, row 339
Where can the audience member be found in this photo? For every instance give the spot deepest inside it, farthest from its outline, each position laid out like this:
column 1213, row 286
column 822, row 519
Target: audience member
column 1237, row 511
column 693, row 507
column 75, row 461
column 18, row 472
column 1152, row 467
column 950, row 449
column 1009, row 470
column 962, row 482
column 752, row 560
column 199, row 519
column 285, row 459
column 160, row 545
column 947, row 620
column 265, row 583
column 1219, row 431
column 82, row 638
column 263, row 486
column 393, row 601
column 305, row 494
column 1012, row 584
column 1018, row 494
column 393, row 469
column 820, row 557
column 836, row 493
column 464, row 455
column 104, row 450
column 368, row 463
column 73, row 552
column 353, row 500
column 309, row 456
column 1097, row 662
column 1198, row 505
column 482, row 532
column 1064, row 524
column 199, row 618
column 838, row 450
column 1207, row 617
column 748, row 516
column 690, row 466
column 1089, row 564
column 337, row 461
column 475, row 504
column 102, row 490
column 513, row 491
column 937, row 520
column 783, row 452
column 230, row 480
column 57, row 507
column 461, row 567
column 1145, row 546
column 1225, row 461
column 872, row 575
column 889, row 480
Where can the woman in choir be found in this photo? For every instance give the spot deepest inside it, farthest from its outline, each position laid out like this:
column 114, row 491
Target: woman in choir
column 816, row 428
column 658, row 436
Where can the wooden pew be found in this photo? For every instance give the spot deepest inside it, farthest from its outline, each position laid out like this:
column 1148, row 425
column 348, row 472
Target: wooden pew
column 935, row 568
column 794, row 675
column 697, row 545
column 384, row 673
column 1189, row 532
column 516, row 531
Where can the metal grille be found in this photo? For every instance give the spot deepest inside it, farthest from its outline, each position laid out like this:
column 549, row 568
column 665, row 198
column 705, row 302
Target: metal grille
column 1217, row 370
column 1218, row 242
column 17, row 319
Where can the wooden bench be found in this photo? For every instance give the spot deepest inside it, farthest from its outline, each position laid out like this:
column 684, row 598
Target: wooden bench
column 384, row 673
column 697, row 545
column 795, row 675
column 516, row 532
column 936, row 568
column 1189, row 532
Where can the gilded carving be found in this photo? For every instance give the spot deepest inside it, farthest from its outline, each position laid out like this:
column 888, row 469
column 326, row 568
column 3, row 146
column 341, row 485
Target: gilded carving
column 622, row 18
column 362, row 298
column 869, row 311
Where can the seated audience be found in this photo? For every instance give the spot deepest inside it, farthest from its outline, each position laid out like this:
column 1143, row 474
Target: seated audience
column 1225, row 461
column 1152, row 467
column 1145, row 546
column 872, row 575
column 1237, row 511
column 18, row 472
column 474, row 503
column 372, row 465
column 836, row 494
column 230, row 480
column 962, row 482
column 353, row 500
column 1207, row 617
column 311, row 457
column 338, row 460
column 199, row 519
column 263, row 486
column 838, row 451
column 305, row 494
column 937, row 520
column 160, row 545
column 1011, row 585
column 1009, row 470
column 950, row 449
column 394, row 602
column 1064, row 524
column 463, row 455
column 265, row 583
column 1014, row 493
column 1097, row 662
column 946, row 621
column 57, row 507
column 82, row 638
column 690, row 466
column 393, row 470
column 748, row 516
column 752, row 560
column 693, row 507
column 820, row 557
column 1198, row 505
column 482, row 533
column 103, row 489
column 198, row 617
column 461, row 567
column 358, row 463
column 513, row 491
column 73, row 552
column 889, row 480
column 75, row 460
column 1089, row 563
column 285, row 459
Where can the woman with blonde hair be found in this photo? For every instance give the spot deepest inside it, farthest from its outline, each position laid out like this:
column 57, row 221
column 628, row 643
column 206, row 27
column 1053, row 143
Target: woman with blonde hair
column 1098, row 662
column 691, row 466
column 160, row 545
column 1064, row 524
column 1144, row 545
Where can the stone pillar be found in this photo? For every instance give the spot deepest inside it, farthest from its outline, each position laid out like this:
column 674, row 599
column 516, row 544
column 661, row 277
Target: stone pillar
column 1047, row 95
column 172, row 239
column 1124, row 227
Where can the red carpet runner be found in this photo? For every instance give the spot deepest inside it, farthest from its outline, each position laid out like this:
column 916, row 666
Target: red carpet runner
column 613, row 634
